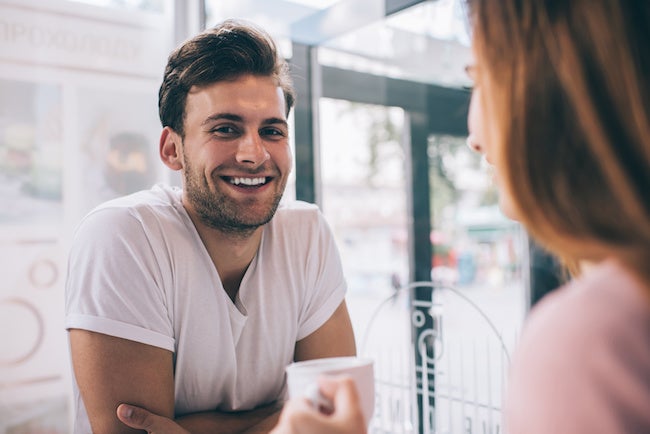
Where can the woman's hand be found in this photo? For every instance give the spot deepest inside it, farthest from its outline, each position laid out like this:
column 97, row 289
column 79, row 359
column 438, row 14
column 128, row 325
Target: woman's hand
column 299, row 416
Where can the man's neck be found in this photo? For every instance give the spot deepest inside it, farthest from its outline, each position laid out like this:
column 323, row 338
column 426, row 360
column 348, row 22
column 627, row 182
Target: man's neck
column 231, row 254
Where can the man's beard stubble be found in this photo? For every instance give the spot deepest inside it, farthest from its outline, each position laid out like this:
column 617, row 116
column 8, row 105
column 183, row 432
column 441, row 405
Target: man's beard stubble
column 220, row 212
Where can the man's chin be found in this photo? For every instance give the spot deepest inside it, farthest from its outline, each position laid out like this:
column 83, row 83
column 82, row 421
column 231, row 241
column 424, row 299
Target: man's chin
column 247, row 223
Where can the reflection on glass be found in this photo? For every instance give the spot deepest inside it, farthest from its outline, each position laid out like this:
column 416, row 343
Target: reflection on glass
column 143, row 5
column 425, row 43
column 119, row 144
column 441, row 19
column 276, row 17
column 30, row 152
column 475, row 248
column 478, row 258
column 364, row 200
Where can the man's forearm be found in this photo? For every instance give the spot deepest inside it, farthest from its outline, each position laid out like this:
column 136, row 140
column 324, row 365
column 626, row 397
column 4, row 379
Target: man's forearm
column 266, row 425
column 257, row 421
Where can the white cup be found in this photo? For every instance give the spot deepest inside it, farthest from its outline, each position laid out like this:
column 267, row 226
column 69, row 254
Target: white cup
column 302, row 380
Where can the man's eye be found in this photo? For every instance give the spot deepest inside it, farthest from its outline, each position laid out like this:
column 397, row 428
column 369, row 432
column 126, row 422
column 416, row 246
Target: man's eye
column 272, row 132
column 224, row 129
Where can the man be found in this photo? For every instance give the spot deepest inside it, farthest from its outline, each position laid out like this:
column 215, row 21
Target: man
column 190, row 303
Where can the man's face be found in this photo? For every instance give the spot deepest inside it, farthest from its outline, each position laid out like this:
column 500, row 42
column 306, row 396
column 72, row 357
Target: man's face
column 236, row 154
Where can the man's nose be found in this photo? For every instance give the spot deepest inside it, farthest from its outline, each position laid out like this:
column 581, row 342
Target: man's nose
column 251, row 150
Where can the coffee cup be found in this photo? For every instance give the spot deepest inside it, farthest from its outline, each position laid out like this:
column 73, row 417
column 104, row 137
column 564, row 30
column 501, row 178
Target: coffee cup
column 302, row 380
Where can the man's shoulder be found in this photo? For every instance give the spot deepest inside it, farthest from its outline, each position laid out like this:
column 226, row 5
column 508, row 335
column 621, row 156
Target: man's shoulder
column 590, row 315
column 297, row 210
column 136, row 208
column 298, row 206
column 158, row 195
column 298, row 219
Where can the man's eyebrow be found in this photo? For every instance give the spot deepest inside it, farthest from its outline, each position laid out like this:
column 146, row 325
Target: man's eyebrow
column 236, row 118
column 220, row 116
column 273, row 121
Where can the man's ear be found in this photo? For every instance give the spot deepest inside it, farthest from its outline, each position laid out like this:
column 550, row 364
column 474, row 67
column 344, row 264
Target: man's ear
column 170, row 149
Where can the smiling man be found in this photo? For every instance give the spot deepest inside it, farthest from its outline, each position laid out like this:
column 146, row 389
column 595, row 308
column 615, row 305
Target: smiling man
column 191, row 301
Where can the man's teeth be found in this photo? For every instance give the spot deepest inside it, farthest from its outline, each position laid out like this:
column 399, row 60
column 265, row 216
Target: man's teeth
column 248, row 181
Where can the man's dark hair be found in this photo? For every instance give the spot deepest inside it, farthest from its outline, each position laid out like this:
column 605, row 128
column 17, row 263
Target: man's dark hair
column 224, row 52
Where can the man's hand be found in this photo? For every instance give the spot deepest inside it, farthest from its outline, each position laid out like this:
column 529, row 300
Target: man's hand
column 139, row 418
column 258, row 421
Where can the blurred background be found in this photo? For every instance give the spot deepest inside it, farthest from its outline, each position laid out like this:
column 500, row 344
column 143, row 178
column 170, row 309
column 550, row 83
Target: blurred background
column 378, row 134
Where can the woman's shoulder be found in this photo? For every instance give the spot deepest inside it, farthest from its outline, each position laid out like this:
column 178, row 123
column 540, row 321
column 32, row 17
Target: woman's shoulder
column 608, row 301
column 581, row 347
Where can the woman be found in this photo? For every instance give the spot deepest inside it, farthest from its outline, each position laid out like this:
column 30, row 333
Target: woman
column 561, row 109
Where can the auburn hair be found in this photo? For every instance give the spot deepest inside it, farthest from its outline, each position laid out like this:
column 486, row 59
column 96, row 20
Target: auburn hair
column 566, row 94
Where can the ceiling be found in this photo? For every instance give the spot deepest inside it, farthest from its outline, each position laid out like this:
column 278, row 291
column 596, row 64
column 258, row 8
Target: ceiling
column 424, row 41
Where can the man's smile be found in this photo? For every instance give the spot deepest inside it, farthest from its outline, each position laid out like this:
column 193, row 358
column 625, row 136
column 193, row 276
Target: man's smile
column 240, row 180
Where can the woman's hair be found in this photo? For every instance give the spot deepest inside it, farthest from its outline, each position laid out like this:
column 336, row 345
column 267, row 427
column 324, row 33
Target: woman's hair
column 566, row 95
column 225, row 52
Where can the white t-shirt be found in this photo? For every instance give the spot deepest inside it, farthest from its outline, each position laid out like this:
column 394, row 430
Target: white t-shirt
column 139, row 271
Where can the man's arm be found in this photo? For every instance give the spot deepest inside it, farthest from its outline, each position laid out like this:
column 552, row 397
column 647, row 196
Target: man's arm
column 334, row 338
column 259, row 420
column 111, row 370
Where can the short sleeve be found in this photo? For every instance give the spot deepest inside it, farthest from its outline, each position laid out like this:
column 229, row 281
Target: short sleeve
column 327, row 285
column 114, row 285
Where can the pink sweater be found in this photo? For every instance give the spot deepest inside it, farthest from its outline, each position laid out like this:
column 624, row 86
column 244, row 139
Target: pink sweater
column 583, row 363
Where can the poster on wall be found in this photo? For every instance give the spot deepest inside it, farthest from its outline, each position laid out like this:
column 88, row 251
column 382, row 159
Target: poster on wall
column 31, row 153
column 119, row 133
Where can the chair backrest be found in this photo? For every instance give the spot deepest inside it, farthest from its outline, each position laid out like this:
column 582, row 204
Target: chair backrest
column 440, row 363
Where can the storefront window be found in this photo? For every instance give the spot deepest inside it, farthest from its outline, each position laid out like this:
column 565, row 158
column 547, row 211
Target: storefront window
column 78, row 125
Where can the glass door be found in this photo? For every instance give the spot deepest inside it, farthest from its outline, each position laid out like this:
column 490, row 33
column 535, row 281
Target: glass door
column 363, row 199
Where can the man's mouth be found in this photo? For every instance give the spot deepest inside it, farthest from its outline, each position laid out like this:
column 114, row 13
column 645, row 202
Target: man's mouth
column 247, row 182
